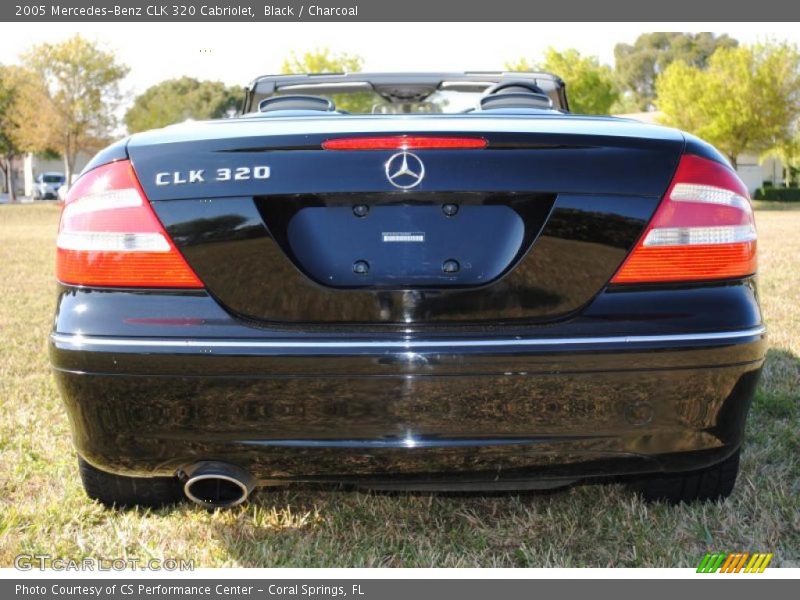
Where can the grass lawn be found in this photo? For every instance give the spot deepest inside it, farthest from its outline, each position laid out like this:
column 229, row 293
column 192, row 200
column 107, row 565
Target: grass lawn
column 43, row 508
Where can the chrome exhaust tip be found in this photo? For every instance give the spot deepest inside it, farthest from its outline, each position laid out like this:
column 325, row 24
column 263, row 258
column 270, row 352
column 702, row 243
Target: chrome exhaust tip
column 214, row 484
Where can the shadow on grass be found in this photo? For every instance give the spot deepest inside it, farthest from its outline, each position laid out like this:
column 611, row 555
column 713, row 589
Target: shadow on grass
column 345, row 526
column 778, row 393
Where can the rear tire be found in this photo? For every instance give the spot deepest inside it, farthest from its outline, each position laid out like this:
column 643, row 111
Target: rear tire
column 712, row 483
column 124, row 492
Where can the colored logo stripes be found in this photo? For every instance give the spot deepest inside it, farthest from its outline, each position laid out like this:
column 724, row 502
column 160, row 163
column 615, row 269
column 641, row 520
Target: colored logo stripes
column 737, row 562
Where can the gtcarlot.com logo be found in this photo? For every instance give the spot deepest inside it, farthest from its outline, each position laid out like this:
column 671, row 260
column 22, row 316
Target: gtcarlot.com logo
column 736, row 562
column 41, row 562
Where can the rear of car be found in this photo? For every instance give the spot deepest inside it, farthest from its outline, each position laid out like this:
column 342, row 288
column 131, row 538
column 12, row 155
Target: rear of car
column 481, row 301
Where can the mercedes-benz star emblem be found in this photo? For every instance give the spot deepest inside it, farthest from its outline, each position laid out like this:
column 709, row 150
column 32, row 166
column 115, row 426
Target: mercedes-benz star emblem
column 405, row 170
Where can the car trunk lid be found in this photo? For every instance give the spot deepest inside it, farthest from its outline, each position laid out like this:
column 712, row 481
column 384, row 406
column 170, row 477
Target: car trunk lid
column 530, row 227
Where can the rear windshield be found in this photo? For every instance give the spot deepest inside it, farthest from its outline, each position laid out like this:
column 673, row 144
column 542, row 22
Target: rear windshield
column 52, row 178
column 372, row 103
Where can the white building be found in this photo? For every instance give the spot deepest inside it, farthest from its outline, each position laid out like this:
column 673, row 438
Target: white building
column 18, row 177
column 27, row 167
column 751, row 169
column 33, row 165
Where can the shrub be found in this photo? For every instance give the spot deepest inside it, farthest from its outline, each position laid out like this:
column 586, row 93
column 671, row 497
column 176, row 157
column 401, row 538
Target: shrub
column 782, row 194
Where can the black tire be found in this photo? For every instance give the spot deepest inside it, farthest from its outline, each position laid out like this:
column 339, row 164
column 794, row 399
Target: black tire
column 712, row 483
column 125, row 492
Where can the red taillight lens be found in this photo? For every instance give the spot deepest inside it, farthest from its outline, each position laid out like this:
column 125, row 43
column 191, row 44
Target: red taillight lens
column 403, row 142
column 703, row 229
column 110, row 236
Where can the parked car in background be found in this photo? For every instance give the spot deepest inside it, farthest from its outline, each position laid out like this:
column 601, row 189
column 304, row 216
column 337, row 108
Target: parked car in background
column 46, row 186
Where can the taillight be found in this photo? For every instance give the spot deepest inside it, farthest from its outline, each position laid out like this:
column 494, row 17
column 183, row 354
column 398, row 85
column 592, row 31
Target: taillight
column 703, row 229
column 110, row 236
column 404, row 142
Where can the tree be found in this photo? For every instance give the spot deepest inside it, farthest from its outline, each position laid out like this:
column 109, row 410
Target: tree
column 176, row 100
column 746, row 100
column 69, row 99
column 788, row 152
column 9, row 149
column 324, row 61
column 639, row 65
column 590, row 85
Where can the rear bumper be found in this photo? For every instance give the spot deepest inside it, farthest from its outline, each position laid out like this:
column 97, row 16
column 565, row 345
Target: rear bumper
column 493, row 409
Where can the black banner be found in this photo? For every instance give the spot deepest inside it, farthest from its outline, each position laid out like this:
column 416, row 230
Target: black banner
column 397, row 10
column 729, row 587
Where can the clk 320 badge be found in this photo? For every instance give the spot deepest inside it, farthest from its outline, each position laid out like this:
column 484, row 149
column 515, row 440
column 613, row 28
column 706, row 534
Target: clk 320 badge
column 221, row 174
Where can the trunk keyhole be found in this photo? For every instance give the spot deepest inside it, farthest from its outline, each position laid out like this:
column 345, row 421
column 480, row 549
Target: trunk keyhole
column 450, row 266
column 450, row 210
column 361, row 267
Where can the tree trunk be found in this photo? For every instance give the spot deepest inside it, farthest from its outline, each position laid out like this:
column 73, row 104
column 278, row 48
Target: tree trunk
column 4, row 168
column 69, row 155
column 9, row 171
column 732, row 158
column 68, row 162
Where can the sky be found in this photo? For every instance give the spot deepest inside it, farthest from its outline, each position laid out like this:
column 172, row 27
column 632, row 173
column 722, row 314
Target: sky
column 237, row 52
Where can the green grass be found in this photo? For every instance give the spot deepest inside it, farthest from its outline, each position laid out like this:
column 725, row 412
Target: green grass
column 43, row 508
column 763, row 205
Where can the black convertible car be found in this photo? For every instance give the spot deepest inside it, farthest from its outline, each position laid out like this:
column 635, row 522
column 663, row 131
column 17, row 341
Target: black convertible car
column 407, row 281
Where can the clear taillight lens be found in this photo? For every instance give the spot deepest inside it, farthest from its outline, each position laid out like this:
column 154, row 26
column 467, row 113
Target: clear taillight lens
column 703, row 229
column 110, row 236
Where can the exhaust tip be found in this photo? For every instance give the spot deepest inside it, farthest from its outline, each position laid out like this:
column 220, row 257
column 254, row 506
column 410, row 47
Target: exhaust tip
column 217, row 485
